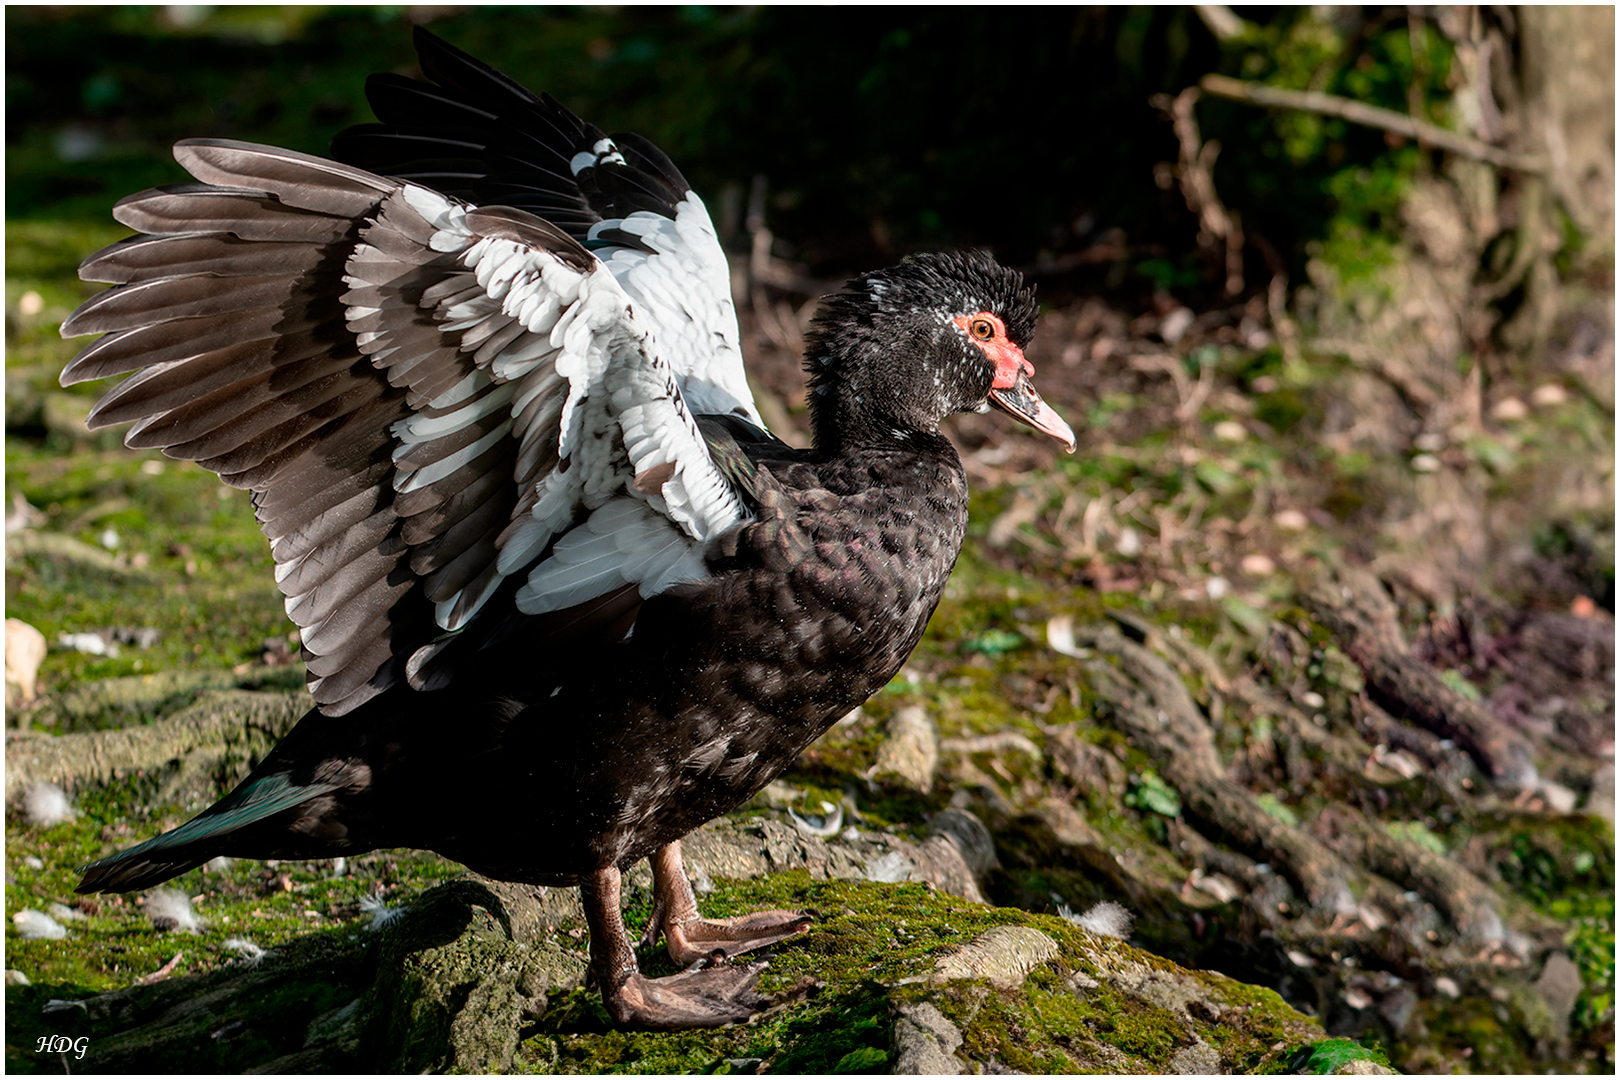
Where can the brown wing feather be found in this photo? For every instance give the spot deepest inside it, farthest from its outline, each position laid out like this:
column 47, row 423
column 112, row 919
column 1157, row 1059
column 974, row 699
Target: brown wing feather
column 233, row 313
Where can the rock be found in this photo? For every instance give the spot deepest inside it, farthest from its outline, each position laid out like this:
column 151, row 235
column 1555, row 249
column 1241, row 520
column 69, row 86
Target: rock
column 1559, row 986
column 910, row 749
column 925, row 1042
column 466, row 966
column 1364, row 1067
column 1199, row 1059
column 970, row 836
column 25, row 651
column 939, row 861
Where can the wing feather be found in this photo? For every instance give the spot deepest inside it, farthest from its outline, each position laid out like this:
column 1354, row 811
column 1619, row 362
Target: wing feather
column 432, row 392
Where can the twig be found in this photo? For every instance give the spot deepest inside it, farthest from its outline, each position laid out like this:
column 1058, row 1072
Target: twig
column 1222, row 21
column 1370, row 116
column 1195, row 171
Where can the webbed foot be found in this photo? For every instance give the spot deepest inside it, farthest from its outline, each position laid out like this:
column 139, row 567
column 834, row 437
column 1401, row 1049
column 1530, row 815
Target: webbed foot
column 708, row 994
column 702, row 997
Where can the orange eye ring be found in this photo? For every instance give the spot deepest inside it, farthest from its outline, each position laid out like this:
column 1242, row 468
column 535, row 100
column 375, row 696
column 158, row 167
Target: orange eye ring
column 982, row 329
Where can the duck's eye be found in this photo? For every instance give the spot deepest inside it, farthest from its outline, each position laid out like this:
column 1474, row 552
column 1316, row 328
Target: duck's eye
column 983, row 329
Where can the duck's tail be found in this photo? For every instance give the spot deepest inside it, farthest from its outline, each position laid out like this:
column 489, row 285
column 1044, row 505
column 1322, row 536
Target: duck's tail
column 202, row 838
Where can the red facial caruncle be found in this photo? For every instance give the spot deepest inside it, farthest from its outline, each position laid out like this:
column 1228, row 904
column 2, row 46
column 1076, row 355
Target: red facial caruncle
column 1011, row 390
column 989, row 333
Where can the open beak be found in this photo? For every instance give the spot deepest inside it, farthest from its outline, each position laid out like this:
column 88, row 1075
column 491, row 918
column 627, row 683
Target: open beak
column 1022, row 403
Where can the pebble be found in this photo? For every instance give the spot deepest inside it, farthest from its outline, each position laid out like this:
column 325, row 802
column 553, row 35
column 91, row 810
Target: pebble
column 25, row 651
column 1292, row 520
column 1176, row 324
column 1257, row 565
column 1430, row 441
column 1231, row 431
column 1509, row 409
column 1547, row 395
column 1425, row 463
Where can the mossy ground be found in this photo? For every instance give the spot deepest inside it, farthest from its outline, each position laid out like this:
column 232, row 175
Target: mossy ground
column 867, row 942
column 288, row 907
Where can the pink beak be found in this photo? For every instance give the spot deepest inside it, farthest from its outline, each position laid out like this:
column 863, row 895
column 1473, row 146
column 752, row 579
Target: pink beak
column 1022, row 403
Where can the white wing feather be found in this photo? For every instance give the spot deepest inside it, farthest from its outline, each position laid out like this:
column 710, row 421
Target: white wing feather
column 588, row 337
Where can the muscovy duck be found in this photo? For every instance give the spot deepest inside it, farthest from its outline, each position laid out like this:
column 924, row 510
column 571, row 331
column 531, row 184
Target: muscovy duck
column 562, row 597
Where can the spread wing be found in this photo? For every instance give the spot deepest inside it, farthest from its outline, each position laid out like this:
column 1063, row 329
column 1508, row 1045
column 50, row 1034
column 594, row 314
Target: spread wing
column 438, row 407
column 476, row 135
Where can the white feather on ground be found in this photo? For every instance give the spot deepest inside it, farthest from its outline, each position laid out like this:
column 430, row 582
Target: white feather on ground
column 36, row 925
column 47, row 804
column 170, row 910
column 246, row 949
column 1107, row 919
column 381, row 914
column 63, row 913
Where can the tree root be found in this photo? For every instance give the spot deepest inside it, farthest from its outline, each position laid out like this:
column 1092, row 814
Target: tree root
column 1148, row 701
column 1353, row 605
column 218, row 733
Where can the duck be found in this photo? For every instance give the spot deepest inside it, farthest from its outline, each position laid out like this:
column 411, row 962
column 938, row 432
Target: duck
column 562, row 596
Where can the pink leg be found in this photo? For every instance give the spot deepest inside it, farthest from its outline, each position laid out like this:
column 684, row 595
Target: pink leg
column 690, row 936
column 709, row 997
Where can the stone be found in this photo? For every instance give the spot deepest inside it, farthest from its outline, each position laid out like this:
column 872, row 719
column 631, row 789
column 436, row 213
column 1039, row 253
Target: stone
column 1199, row 1059
column 925, row 1042
column 25, row 650
column 1559, row 986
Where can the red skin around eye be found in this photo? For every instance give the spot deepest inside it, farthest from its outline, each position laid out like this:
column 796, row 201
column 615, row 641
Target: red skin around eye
column 1008, row 358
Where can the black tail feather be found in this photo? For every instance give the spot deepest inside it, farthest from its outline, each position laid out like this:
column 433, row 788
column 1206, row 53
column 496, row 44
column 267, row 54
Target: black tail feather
column 204, row 837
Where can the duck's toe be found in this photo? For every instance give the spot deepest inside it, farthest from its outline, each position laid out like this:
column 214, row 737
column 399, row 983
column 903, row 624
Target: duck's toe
column 695, row 939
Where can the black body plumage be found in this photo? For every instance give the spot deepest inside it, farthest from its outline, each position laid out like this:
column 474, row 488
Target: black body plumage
column 404, row 378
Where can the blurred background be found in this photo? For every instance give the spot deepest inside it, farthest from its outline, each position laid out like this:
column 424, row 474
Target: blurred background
column 1322, row 286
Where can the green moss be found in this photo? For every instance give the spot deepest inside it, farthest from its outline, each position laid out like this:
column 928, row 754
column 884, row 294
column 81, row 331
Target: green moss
column 195, row 565
column 1329, row 1055
column 114, row 943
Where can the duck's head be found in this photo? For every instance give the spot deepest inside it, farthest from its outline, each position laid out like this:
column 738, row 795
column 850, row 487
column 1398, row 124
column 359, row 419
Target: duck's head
column 905, row 347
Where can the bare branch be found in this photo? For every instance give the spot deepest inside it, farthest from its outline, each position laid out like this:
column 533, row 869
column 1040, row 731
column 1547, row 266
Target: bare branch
column 1370, row 116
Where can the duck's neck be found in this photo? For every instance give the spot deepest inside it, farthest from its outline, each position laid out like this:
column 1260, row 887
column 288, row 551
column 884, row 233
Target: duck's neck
column 853, row 410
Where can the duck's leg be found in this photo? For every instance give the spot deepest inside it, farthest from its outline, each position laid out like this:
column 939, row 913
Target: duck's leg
column 707, row 997
column 689, row 935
